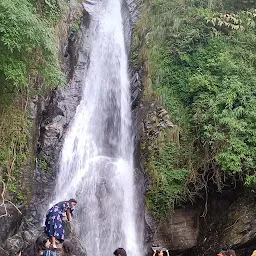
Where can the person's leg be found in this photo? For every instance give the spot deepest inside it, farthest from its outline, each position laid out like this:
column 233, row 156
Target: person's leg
column 54, row 242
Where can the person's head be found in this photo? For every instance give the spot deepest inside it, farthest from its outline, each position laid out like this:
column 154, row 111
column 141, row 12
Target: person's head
column 227, row 252
column 230, row 253
column 42, row 243
column 159, row 253
column 67, row 248
column 72, row 202
column 19, row 253
column 120, row 252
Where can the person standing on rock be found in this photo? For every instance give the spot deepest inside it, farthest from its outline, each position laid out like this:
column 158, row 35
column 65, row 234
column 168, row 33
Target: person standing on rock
column 53, row 222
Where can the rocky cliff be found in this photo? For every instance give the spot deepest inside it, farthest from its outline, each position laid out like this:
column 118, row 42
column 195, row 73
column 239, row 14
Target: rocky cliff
column 204, row 221
column 51, row 114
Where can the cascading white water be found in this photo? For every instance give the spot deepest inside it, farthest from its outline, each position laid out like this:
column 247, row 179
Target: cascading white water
column 96, row 164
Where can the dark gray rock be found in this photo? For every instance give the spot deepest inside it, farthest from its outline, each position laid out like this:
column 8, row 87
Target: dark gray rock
column 240, row 227
column 59, row 113
column 179, row 231
column 134, row 7
column 10, row 221
column 3, row 252
column 78, row 248
column 21, row 241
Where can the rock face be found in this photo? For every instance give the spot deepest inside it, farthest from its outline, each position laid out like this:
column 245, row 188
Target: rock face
column 53, row 114
column 10, row 221
column 180, row 230
column 62, row 103
column 230, row 222
column 240, row 227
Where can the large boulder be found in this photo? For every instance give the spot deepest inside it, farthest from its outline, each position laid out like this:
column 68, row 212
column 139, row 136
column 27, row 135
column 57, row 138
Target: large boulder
column 230, row 221
column 10, row 220
column 23, row 240
column 179, row 231
column 239, row 231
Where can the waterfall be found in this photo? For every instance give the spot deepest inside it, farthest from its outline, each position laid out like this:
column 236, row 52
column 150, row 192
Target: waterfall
column 96, row 165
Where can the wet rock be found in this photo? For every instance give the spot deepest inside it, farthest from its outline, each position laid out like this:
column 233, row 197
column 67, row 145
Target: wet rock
column 10, row 221
column 179, row 231
column 72, row 236
column 3, row 252
column 240, row 227
column 165, row 124
column 162, row 113
column 134, row 7
column 60, row 111
column 14, row 244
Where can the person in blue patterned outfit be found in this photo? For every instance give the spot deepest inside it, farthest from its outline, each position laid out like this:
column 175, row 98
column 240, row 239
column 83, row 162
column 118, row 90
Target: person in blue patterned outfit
column 53, row 222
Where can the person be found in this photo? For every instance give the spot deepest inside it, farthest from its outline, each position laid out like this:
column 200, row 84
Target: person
column 230, row 253
column 53, row 222
column 67, row 248
column 41, row 247
column 160, row 252
column 227, row 252
column 254, row 253
column 120, row 252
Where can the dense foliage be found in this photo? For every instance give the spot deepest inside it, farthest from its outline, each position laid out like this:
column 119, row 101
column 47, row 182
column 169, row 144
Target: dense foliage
column 201, row 62
column 29, row 64
column 27, row 49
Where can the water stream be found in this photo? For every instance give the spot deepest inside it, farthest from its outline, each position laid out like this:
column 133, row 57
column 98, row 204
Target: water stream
column 96, row 165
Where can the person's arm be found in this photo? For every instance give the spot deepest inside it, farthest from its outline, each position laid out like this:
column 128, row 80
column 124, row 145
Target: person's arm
column 154, row 253
column 68, row 214
column 167, row 251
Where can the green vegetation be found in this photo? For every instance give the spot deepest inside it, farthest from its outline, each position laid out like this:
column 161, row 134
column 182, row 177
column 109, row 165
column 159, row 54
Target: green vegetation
column 27, row 49
column 13, row 146
column 52, row 9
column 43, row 164
column 168, row 186
column 29, row 65
column 200, row 61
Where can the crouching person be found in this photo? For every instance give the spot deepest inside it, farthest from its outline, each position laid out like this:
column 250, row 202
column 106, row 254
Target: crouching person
column 53, row 222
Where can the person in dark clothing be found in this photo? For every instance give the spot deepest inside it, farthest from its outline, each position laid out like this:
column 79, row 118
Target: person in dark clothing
column 227, row 252
column 41, row 247
column 53, row 222
column 160, row 252
column 120, row 252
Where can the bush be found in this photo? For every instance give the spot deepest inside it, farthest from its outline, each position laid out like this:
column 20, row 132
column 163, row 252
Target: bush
column 28, row 65
column 201, row 65
column 27, row 50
